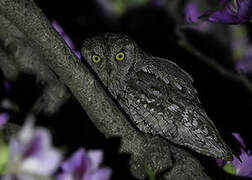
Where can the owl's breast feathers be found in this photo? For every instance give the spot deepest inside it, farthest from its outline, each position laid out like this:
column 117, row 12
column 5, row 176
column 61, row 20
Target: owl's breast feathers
column 160, row 100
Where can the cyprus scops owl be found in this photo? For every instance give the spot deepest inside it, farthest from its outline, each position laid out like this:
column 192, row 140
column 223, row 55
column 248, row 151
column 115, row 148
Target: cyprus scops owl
column 156, row 93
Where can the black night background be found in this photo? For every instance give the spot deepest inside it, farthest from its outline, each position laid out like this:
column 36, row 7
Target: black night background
column 153, row 25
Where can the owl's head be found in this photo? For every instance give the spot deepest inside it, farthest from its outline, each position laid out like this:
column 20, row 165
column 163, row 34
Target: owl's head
column 111, row 56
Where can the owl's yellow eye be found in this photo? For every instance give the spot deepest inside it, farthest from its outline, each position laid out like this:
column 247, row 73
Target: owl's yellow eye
column 96, row 59
column 120, row 56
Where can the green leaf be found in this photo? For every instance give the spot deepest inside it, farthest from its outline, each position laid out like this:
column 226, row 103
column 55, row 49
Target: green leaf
column 150, row 172
column 4, row 153
column 229, row 168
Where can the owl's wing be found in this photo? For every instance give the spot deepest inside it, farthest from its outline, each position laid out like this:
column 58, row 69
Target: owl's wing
column 158, row 94
column 174, row 76
column 161, row 100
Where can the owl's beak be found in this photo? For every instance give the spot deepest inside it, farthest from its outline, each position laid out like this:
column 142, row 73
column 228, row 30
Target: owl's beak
column 109, row 71
column 109, row 75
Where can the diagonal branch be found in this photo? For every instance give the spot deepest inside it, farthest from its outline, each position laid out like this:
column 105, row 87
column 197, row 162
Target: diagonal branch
column 212, row 63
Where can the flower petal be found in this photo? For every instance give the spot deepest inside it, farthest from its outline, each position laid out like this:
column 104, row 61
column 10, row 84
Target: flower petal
column 101, row 174
column 239, row 139
column 234, row 12
column 65, row 176
column 245, row 9
column 96, row 157
column 41, row 154
column 77, row 164
column 84, row 166
column 244, row 168
column 45, row 164
column 191, row 12
column 26, row 133
column 31, row 151
column 3, row 119
column 66, row 38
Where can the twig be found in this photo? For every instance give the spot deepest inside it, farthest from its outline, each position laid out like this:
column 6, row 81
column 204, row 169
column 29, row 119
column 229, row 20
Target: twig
column 212, row 63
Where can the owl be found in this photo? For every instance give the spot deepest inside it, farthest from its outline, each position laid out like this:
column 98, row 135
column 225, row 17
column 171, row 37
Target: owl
column 156, row 93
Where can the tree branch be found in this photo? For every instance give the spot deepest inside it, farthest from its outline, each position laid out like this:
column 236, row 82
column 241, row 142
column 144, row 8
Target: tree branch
column 212, row 63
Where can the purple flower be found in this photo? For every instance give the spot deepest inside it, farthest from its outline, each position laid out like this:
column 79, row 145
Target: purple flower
column 84, row 166
column 234, row 12
column 66, row 38
column 3, row 119
column 192, row 12
column 31, row 152
column 243, row 168
column 239, row 139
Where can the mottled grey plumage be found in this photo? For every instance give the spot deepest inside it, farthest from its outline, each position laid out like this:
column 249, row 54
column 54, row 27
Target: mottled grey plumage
column 156, row 93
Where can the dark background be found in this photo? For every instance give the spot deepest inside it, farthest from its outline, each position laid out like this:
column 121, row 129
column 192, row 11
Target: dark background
column 227, row 102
